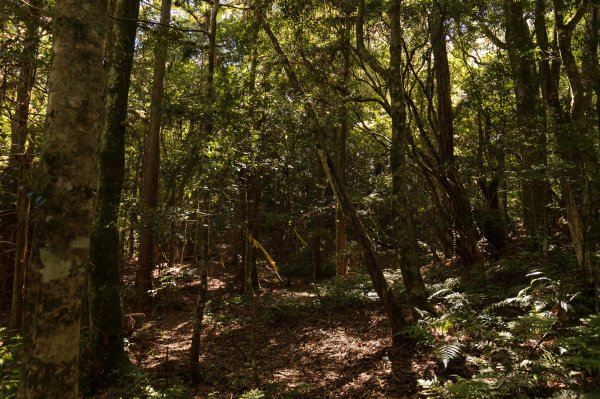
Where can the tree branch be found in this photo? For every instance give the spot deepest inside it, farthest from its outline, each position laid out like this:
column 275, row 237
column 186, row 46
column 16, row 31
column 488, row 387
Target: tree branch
column 492, row 36
column 176, row 28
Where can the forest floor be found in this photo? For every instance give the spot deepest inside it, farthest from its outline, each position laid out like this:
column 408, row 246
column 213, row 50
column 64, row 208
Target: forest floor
column 305, row 346
column 520, row 326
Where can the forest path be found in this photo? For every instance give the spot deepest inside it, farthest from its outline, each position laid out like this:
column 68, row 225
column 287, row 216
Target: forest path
column 304, row 350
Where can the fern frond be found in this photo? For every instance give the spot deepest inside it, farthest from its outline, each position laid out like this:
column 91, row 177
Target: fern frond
column 448, row 351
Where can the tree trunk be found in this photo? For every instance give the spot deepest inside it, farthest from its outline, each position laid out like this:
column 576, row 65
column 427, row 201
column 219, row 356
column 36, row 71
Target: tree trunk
column 20, row 161
column 252, row 204
column 60, row 252
column 318, row 226
column 202, row 233
column 403, row 234
column 143, row 277
column 21, row 246
column 492, row 218
column 535, row 187
column 340, row 226
column 201, row 262
column 573, row 130
column 468, row 235
column 104, row 275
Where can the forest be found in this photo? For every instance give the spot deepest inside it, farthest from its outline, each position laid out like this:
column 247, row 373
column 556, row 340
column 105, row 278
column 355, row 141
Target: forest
column 299, row 199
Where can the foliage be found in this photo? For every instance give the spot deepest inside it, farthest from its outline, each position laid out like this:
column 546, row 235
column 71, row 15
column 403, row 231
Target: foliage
column 253, row 394
column 167, row 289
column 512, row 328
column 139, row 385
column 10, row 345
column 335, row 294
column 288, row 310
column 506, row 348
column 341, row 293
column 580, row 350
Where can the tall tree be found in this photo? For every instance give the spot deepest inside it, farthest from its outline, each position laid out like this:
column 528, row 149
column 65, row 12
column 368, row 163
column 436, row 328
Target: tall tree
column 447, row 173
column 404, row 241
column 572, row 126
column 535, row 187
column 104, row 279
column 65, row 190
column 340, row 227
column 20, row 160
column 202, row 233
column 146, row 261
column 403, row 234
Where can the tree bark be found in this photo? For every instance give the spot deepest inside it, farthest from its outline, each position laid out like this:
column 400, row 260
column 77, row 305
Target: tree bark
column 201, row 261
column 60, row 252
column 146, row 263
column 104, row 274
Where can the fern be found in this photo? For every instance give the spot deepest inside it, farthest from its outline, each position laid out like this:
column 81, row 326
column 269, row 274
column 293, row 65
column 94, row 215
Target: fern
column 582, row 349
column 448, row 351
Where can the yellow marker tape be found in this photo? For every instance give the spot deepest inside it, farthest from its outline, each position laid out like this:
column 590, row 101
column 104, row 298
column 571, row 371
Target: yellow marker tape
column 264, row 251
column 300, row 238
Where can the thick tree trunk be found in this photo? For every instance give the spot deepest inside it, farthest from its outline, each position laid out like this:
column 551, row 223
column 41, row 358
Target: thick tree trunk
column 535, row 187
column 146, row 264
column 468, row 235
column 60, row 252
column 104, row 275
column 573, row 130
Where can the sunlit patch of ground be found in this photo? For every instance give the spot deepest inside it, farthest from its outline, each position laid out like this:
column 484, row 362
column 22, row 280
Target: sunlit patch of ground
column 312, row 353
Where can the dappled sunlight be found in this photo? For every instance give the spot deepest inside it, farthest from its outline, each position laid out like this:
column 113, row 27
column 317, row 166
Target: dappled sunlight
column 309, row 349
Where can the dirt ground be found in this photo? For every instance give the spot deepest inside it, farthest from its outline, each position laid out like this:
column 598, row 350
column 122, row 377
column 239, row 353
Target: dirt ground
column 302, row 350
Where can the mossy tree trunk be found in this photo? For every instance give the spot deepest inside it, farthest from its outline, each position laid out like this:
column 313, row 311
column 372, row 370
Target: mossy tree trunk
column 572, row 128
column 104, row 275
column 403, row 234
column 64, row 189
